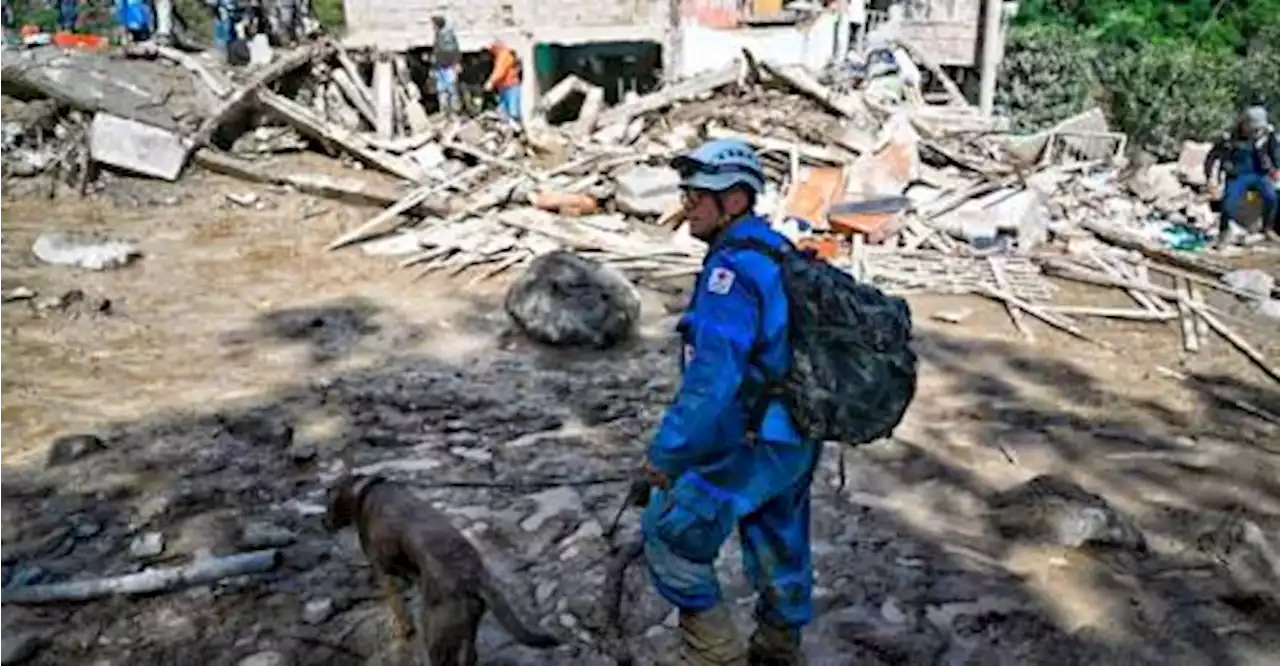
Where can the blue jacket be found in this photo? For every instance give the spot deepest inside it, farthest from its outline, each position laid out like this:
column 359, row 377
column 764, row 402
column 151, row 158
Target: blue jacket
column 736, row 322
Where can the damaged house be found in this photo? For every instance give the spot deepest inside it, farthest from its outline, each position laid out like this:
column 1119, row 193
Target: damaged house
column 630, row 46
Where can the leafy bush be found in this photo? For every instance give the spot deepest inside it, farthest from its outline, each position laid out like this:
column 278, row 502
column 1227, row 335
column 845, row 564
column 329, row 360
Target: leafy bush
column 1159, row 93
column 1047, row 75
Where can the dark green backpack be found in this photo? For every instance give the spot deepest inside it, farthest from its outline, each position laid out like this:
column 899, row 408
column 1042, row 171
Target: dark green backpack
column 853, row 372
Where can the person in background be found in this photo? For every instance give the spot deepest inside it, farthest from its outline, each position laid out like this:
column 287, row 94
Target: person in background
column 68, row 11
column 164, row 22
column 135, row 19
column 448, row 57
column 505, row 80
column 226, row 13
column 7, row 19
column 1250, row 161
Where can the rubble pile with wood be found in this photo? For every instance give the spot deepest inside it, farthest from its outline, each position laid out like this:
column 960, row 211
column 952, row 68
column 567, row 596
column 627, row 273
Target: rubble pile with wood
column 917, row 194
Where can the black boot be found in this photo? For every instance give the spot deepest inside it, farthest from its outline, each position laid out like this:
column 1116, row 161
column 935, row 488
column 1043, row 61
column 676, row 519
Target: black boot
column 773, row 645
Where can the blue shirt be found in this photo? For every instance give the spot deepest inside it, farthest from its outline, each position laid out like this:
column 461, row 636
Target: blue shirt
column 735, row 325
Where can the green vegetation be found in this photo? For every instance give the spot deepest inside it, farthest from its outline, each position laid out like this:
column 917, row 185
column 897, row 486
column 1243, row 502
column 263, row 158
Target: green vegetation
column 1163, row 71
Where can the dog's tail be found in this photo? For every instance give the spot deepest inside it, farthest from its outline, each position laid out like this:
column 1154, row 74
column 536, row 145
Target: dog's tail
column 524, row 632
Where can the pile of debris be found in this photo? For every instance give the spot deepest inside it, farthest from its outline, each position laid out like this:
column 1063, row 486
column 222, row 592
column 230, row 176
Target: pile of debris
column 916, row 192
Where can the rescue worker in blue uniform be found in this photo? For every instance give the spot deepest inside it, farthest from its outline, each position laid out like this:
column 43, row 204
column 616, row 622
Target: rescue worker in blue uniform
column 722, row 458
column 1250, row 160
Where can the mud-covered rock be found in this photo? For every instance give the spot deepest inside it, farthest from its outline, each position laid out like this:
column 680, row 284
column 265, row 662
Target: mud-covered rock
column 566, row 300
column 1050, row 509
column 70, row 448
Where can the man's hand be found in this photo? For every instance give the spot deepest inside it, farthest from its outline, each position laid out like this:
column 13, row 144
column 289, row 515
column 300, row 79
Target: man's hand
column 488, row 87
column 656, row 477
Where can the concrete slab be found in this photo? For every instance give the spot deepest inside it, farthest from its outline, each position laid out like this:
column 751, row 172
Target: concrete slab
column 138, row 147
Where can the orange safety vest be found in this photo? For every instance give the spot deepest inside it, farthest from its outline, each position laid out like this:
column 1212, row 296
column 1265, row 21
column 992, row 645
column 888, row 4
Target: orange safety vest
column 506, row 69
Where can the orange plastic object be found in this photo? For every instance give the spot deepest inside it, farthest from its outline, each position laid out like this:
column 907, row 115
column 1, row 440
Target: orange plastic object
column 811, row 196
column 566, row 204
column 71, row 40
column 875, row 226
column 826, row 247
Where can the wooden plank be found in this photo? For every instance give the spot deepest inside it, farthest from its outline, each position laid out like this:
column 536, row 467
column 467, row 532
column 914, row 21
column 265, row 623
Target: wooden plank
column 348, row 190
column 1202, row 328
column 385, row 221
column 258, row 81
column 1231, row 336
column 1015, row 313
column 306, row 122
column 668, row 95
column 384, row 98
column 1111, row 313
column 353, row 95
column 1190, row 341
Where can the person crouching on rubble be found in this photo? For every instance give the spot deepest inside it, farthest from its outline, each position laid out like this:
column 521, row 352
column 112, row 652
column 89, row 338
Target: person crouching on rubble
column 708, row 473
column 1250, row 159
column 505, row 80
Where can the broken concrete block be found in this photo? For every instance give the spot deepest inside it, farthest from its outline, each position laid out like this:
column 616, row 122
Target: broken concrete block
column 1157, row 183
column 1021, row 212
column 138, row 147
column 647, row 190
column 1191, row 162
column 970, row 223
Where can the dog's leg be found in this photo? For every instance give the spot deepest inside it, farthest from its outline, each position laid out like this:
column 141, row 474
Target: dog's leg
column 399, row 615
column 437, row 635
column 467, row 654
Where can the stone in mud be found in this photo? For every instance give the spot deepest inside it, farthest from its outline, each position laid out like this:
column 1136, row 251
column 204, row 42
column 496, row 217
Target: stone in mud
column 258, row 534
column 261, row 429
column 265, row 658
column 317, row 610
column 1050, row 509
column 70, row 448
column 567, row 300
column 147, row 545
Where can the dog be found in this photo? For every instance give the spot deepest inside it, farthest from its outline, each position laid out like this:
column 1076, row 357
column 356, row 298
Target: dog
column 407, row 540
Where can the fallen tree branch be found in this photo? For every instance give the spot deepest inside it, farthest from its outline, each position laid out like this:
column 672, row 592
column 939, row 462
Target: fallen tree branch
column 160, row 579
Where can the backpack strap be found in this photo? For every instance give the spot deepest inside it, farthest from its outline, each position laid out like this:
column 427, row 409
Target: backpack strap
column 771, row 388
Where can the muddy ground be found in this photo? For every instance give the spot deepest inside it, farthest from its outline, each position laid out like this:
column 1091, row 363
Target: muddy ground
column 237, row 367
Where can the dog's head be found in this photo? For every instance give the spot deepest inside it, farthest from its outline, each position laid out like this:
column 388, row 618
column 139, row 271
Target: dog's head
column 343, row 500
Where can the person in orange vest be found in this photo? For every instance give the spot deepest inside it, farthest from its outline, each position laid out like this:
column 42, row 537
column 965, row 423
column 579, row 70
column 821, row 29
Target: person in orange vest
column 505, row 80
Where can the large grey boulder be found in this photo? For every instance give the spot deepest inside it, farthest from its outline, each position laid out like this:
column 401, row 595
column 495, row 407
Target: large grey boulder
column 566, row 300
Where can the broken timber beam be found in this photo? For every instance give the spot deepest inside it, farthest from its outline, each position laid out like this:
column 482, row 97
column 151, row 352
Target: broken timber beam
column 306, row 122
column 1185, row 261
column 352, row 92
column 384, row 221
column 800, row 80
column 259, row 80
column 808, row 151
column 347, row 190
column 918, row 55
column 660, row 99
column 160, row 579
column 384, row 97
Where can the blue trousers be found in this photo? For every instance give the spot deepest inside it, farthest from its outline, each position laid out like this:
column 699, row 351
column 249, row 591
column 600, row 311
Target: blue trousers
column 763, row 491
column 1238, row 186
column 67, row 14
column 509, row 102
column 447, row 89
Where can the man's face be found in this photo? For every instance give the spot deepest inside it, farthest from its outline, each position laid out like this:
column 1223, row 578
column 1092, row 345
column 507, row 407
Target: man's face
column 701, row 213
